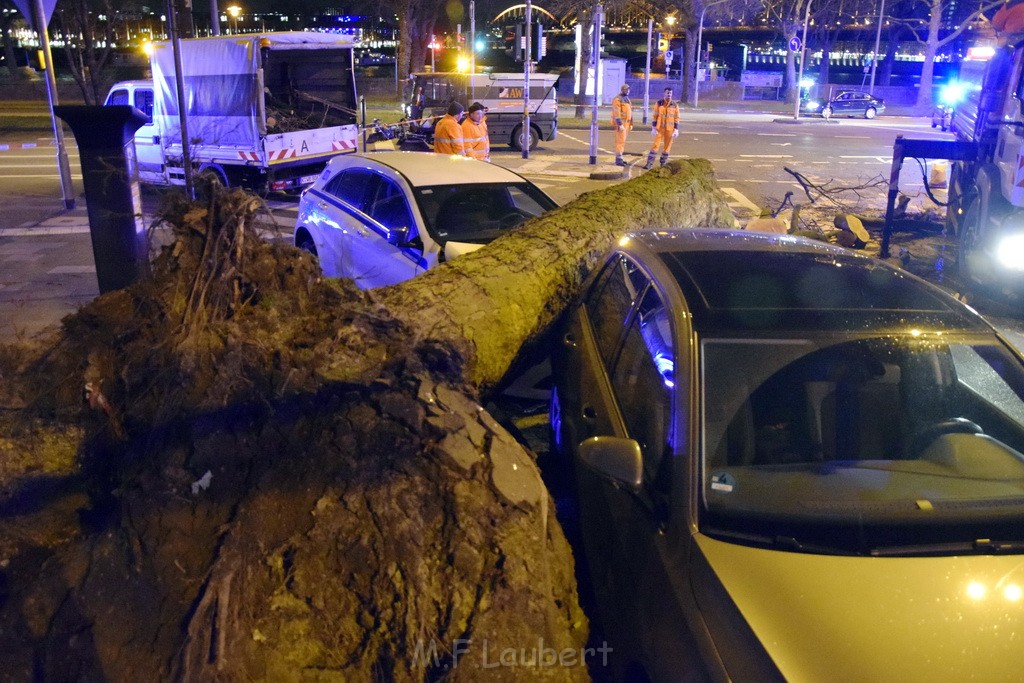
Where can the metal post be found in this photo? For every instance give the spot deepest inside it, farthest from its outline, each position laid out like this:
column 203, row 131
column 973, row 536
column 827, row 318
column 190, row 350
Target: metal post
column 472, row 43
column 214, row 18
column 63, row 165
column 700, row 37
column 647, row 68
column 878, row 40
column 179, row 93
column 526, row 79
column 596, row 58
column 362, row 110
column 803, row 51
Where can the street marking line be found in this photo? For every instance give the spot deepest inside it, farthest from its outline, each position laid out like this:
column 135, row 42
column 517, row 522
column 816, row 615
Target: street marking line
column 740, row 198
column 44, row 232
column 72, row 270
column 582, row 142
column 767, row 156
column 777, row 135
column 854, row 137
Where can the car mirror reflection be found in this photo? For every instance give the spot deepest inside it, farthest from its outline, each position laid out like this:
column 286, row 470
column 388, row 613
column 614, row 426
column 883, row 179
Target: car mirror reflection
column 616, row 458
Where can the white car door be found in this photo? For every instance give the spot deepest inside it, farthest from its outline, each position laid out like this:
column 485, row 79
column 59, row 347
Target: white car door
column 394, row 251
column 149, row 153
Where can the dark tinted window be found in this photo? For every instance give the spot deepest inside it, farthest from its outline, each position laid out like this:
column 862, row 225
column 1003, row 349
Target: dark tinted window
column 118, row 97
column 643, row 381
column 144, row 102
column 390, row 208
column 355, row 187
column 609, row 303
column 478, row 213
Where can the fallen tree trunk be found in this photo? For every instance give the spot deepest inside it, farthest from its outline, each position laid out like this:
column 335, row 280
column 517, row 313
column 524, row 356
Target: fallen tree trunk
column 274, row 476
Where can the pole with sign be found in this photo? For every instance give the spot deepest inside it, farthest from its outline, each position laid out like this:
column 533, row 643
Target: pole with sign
column 799, row 47
column 527, row 134
column 38, row 15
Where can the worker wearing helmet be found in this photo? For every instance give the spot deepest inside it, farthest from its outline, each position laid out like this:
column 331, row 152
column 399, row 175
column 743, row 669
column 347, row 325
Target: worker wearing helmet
column 474, row 133
column 665, row 128
column 622, row 119
column 448, row 138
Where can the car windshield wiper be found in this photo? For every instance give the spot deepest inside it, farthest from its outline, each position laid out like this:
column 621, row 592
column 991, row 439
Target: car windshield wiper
column 981, row 546
column 778, row 542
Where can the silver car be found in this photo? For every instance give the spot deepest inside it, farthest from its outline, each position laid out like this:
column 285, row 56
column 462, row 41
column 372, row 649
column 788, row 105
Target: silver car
column 385, row 217
column 793, row 462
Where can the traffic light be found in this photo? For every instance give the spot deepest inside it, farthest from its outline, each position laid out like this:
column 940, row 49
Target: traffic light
column 606, row 43
column 656, row 44
column 540, row 43
column 519, row 46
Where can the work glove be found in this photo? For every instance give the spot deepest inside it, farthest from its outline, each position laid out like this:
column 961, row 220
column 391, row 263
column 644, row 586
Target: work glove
column 654, row 132
column 675, row 133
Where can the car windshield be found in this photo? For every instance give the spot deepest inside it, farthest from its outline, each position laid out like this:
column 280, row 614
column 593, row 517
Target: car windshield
column 478, row 213
column 895, row 444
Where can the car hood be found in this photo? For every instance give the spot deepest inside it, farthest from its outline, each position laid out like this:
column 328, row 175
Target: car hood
column 453, row 249
column 867, row 618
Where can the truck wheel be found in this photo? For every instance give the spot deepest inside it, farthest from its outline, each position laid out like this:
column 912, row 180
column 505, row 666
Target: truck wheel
column 518, row 140
column 969, row 235
column 869, row 113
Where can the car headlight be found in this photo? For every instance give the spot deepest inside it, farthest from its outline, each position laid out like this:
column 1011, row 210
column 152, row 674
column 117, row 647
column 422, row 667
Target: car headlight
column 811, row 104
column 1010, row 252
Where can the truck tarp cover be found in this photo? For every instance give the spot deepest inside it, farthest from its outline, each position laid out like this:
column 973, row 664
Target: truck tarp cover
column 223, row 85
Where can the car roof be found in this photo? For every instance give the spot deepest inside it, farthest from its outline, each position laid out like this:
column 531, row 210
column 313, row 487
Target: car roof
column 427, row 168
column 765, row 283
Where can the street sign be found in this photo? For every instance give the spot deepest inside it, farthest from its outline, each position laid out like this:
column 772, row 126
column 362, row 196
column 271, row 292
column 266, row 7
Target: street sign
column 795, row 44
column 668, row 57
column 26, row 9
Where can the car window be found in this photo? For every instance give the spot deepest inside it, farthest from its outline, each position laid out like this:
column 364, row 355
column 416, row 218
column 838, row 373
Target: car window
column 480, row 212
column 144, row 102
column 355, row 187
column 643, row 381
column 390, row 208
column 609, row 303
column 866, row 442
column 118, row 97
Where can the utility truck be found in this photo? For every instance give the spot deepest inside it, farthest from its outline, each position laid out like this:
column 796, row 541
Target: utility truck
column 986, row 184
column 501, row 93
column 265, row 111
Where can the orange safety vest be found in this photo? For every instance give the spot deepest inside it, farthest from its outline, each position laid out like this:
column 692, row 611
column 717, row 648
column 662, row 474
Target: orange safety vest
column 622, row 111
column 666, row 115
column 478, row 145
column 448, row 136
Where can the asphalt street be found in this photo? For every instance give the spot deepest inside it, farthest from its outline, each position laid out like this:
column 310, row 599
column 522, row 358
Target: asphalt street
column 47, row 269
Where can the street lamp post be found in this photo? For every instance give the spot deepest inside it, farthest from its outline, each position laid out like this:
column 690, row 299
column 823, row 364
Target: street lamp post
column 700, row 32
column 214, row 18
column 803, row 51
column 234, row 11
column 878, row 39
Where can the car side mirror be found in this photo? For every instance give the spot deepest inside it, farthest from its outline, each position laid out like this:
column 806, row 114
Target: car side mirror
column 618, row 459
column 400, row 237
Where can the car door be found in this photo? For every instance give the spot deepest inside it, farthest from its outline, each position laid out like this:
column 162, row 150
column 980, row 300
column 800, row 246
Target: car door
column 342, row 202
column 397, row 252
column 843, row 103
column 149, row 153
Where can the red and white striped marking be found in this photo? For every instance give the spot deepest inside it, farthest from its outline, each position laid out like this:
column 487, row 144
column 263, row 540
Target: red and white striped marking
column 277, row 155
column 339, row 145
column 249, row 156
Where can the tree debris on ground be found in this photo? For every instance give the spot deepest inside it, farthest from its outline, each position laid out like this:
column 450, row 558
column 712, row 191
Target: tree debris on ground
column 238, row 469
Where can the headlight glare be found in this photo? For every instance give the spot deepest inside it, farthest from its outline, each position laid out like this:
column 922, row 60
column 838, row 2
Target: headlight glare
column 1010, row 252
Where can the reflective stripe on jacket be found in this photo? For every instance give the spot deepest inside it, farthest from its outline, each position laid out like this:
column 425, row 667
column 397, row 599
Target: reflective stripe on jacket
column 622, row 111
column 666, row 115
column 477, row 144
column 448, row 136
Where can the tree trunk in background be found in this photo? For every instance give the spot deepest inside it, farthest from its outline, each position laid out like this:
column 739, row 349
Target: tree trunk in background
column 6, row 20
column 892, row 44
column 931, row 48
column 689, row 65
column 826, row 62
column 278, row 476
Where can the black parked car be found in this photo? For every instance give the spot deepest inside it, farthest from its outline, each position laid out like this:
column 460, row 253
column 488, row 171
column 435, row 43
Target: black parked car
column 846, row 103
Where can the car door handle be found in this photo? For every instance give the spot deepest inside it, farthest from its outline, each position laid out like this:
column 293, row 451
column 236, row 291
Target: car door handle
column 569, row 340
column 589, row 413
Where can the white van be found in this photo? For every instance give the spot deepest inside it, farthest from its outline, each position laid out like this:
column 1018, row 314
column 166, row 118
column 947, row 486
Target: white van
column 502, row 94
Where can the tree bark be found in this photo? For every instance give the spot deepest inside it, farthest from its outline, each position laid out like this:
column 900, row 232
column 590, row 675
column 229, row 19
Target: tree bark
column 278, row 477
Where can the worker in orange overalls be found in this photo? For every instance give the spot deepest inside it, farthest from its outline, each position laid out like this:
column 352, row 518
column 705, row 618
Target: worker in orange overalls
column 448, row 132
column 665, row 127
column 474, row 133
column 622, row 119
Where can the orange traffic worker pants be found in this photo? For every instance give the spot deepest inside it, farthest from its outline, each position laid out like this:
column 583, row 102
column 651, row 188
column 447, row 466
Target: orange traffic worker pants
column 663, row 139
column 620, row 138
